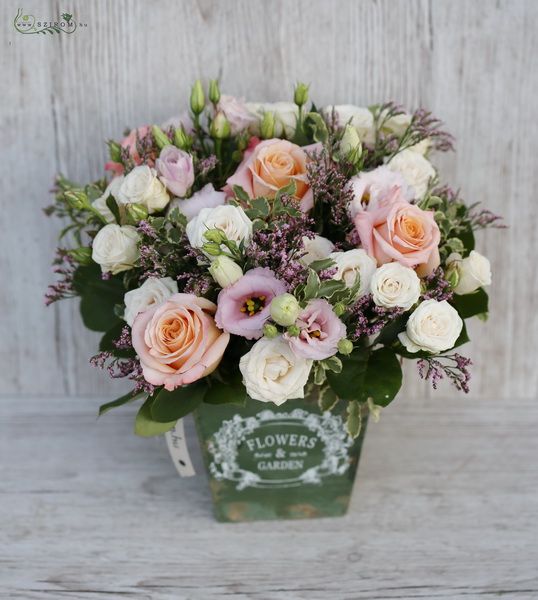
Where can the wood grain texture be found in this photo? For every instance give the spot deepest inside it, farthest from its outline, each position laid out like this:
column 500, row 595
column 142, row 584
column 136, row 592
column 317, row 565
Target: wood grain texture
column 472, row 63
column 444, row 506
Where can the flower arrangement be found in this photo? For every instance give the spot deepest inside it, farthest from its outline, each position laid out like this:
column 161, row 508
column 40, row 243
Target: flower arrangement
column 253, row 252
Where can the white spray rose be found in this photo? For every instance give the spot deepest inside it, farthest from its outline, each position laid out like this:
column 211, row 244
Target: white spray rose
column 152, row 291
column 415, row 169
column 142, row 186
column 353, row 264
column 273, row 373
column 285, row 114
column 225, row 271
column 433, row 327
column 360, row 118
column 315, row 248
column 232, row 220
column 237, row 112
column 474, row 271
column 100, row 203
column 115, row 248
column 394, row 285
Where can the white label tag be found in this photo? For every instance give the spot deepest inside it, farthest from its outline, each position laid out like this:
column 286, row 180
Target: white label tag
column 177, row 446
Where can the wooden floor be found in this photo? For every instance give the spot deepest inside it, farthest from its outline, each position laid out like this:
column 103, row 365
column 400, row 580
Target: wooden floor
column 445, row 506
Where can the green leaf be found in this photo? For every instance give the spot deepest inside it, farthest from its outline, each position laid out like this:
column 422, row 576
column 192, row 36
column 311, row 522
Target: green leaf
column 261, row 205
column 318, row 127
column 171, row 406
column 354, row 419
column 333, row 363
column 240, row 193
column 348, row 384
column 463, row 337
column 287, row 190
column 467, row 237
column 390, row 332
column 327, row 399
column 312, row 285
column 322, row 264
column 125, row 399
column 146, row 426
column 96, row 314
column 383, row 378
column 113, row 207
column 227, row 393
column 328, row 288
column 469, row 305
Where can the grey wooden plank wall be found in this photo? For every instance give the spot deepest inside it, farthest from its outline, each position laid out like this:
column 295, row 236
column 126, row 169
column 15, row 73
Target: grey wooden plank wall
column 472, row 63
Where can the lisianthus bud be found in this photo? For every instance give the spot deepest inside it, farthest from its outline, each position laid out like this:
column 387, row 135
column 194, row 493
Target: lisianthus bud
column 215, row 235
column 225, row 271
column 115, row 151
column 82, row 255
column 350, row 144
column 161, row 139
column 267, row 126
column 197, row 97
column 452, row 274
column 285, row 309
column 214, row 91
column 339, row 309
column 77, row 199
column 211, row 248
column 345, row 346
column 137, row 212
column 181, row 139
column 220, row 126
column 270, row 331
column 301, row 94
column 293, row 331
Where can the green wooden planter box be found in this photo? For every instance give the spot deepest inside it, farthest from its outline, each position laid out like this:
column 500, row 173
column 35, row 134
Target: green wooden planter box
column 270, row 462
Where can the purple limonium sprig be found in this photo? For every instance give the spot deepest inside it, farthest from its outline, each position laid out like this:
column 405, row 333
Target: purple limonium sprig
column 118, row 368
column 206, row 165
column 481, row 219
column 64, row 266
column 366, row 318
column 455, row 368
column 437, row 287
column 425, row 126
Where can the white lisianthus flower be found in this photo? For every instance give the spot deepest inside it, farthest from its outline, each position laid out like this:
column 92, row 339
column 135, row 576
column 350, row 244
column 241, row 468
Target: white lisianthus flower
column 152, row 291
column 273, row 373
column 360, row 118
column 474, row 271
column 353, row 264
column 112, row 189
column 142, row 186
column 432, row 327
column 315, row 248
column 285, row 114
column 394, row 285
column 415, row 169
column 232, row 220
column 225, row 271
column 115, row 248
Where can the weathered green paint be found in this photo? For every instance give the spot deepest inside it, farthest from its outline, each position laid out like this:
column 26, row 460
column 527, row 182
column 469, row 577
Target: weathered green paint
column 269, row 462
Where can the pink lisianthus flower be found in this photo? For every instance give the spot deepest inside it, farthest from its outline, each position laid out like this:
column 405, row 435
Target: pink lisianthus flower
column 400, row 232
column 176, row 170
column 130, row 143
column 237, row 113
column 178, row 341
column 207, row 197
column 272, row 165
column 320, row 331
column 244, row 306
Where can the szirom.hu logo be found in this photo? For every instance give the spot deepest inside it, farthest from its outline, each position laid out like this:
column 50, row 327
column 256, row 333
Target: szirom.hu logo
column 29, row 24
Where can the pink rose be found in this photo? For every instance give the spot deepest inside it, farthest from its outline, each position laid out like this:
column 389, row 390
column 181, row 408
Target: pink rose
column 272, row 165
column 244, row 306
column 400, row 232
column 373, row 189
column 129, row 143
column 175, row 170
column 320, row 331
column 178, row 341
column 207, row 197
column 236, row 112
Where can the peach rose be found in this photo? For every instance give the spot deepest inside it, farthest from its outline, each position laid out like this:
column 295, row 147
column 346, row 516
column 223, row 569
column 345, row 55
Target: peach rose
column 271, row 165
column 400, row 232
column 178, row 341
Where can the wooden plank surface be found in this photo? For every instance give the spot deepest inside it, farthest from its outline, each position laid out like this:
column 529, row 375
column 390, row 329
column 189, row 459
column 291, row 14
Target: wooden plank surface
column 472, row 63
column 445, row 506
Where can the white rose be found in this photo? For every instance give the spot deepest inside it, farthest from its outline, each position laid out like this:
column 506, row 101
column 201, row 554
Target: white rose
column 433, row 327
column 353, row 264
column 152, row 291
column 315, row 248
column 474, row 271
column 359, row 117
column 414, row 168
column 273, row 373
column 100, row 203
column 232, row 220
column 394, row 285
column 142, row 186
column 115, row 248
column 285, row 113
column 225, row 271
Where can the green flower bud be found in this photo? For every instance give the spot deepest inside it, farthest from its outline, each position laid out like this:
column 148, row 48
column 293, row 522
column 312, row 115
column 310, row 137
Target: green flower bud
column 197, row 97
column 182, row 140
column 267, row 126
column 220, row 126
column 293, row 330
column 345, row 346
column 300, row 96
column 77, row 199
column 270, row 331
column 212, row 249
column 452, row 275
column 339, row 309
column 285, row 309
column 137, row 212
column 161, row 139
column 115, row 151
column 214, row 92
column 225, row 271
column 350, row 144
column 82, row 255
column 215, row 235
